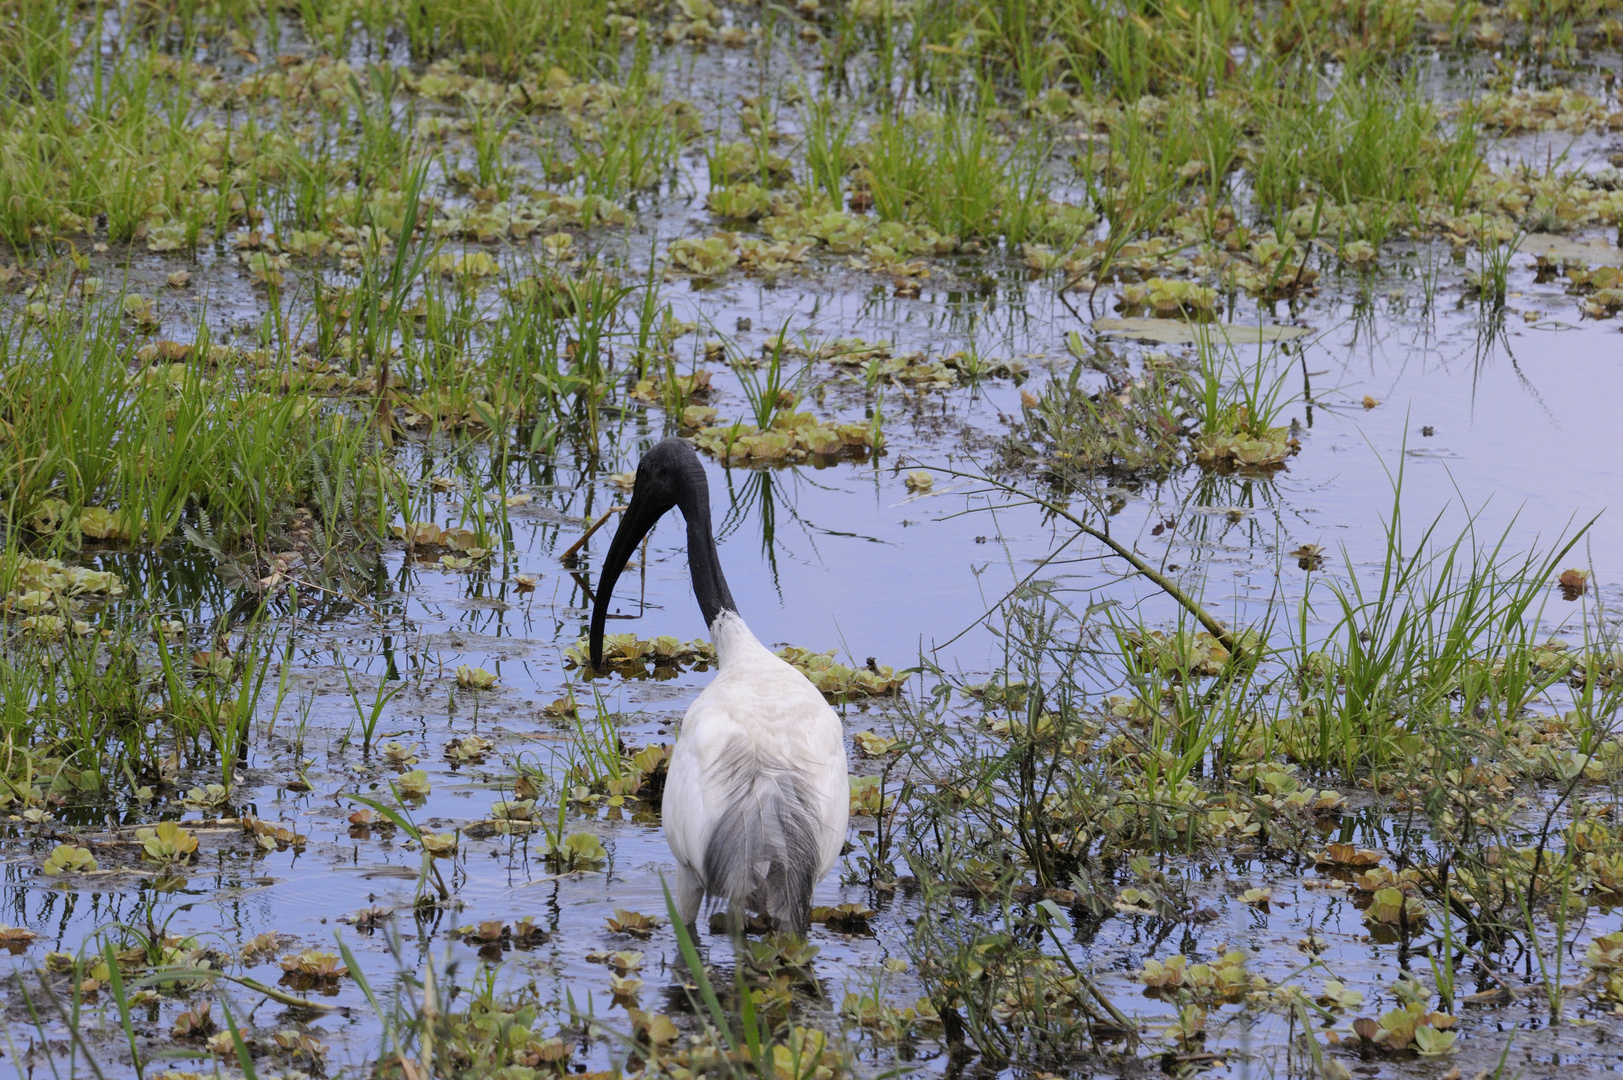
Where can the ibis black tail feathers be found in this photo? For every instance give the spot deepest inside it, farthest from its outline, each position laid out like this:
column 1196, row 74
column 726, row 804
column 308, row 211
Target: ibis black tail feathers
column 763, row 852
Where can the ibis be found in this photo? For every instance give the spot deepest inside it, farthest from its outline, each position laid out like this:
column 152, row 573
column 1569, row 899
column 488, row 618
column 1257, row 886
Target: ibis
column 756, row 799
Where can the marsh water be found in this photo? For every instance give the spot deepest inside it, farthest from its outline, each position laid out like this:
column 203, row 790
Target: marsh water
column 1506, row 412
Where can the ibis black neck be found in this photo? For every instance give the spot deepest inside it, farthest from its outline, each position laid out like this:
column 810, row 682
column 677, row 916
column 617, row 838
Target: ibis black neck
column 704, row 562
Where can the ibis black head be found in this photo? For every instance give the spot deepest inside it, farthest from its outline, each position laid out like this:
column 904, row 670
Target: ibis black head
column 668, row 475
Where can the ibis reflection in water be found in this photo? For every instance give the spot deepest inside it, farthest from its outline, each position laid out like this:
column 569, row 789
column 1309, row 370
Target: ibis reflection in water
column 756, row 802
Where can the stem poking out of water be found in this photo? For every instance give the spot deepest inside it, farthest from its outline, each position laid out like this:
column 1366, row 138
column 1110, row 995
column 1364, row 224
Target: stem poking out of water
column 385, row 416
column 569, row 555
column 1166, row 584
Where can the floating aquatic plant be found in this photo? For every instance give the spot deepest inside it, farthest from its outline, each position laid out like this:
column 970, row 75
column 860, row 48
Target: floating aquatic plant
column 631, row 922
column 791, row 438
column 1170, row 299
column 474, row 678
column 166, row 843
column 314, row 966
column 68, row 859
column 577, row 851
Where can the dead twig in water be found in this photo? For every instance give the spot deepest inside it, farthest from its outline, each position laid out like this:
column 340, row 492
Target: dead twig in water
column 569, row 555
column 279, row 996
column 357, row 601
column 1116, row 1016
column 1164, row 583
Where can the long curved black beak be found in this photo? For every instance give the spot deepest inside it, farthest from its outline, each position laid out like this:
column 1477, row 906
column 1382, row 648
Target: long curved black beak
column 640, row 517
column 670, row 474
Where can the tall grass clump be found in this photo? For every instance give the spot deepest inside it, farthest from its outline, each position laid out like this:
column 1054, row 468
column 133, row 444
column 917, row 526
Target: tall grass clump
column 119, row 140
column 1372, row 140
column 1442, row 638
column 239, row 463
column 951, row 173
column 827, row 148
column 64, row 398
column 170, row 445
column 507, row 37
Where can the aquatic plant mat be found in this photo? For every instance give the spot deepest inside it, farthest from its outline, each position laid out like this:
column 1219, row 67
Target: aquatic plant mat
column 1180, row 440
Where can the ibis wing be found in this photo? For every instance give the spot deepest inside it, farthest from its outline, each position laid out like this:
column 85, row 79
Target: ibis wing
column 690, row 806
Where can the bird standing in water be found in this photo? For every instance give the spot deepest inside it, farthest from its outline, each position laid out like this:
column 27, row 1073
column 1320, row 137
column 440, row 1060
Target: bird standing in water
column 757, row 800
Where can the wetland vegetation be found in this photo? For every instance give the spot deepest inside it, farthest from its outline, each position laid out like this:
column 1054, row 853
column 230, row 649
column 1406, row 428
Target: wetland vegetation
column 1179, row 437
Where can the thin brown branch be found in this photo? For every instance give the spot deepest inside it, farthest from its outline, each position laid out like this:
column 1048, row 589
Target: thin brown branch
column 1164, row 583
column 569, row 555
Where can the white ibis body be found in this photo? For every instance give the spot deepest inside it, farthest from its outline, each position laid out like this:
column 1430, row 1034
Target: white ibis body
column 757, row 800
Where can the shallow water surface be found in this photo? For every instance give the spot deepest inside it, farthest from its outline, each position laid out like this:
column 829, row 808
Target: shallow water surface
column 1497, row 418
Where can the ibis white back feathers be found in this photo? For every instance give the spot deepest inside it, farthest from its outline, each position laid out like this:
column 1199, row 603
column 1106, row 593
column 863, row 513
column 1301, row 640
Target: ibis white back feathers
column 757, row 800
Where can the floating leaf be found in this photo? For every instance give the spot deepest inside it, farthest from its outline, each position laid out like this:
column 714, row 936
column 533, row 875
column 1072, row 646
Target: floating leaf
column 703, row 258
column 527, row 935
column 15, row 939
column 867, row 798
column 1182, row 653
column 1165, row 974
column 542, row 1052
column 468, row 748
column 1347, row 855
column 194, row 1023
column 399, row 754
column 439, row 845
column 1227, row 449
column 627, row 653
column 166, row 843
column 489, row 932
column 274, row 837
column 793, row 437
column 1309, row 557
column 99, row 523
column 625, row 960
column 69, row 859
column 1337, row 996
column 1170, row 298
column 836, row 680
column 1431, row 1041
column 1605, row 953
column 631, row 922
column 657, row 1028
column 475, row 264
column 875, row 745
column 698, row 416
column 140, row 310
column 513, row 810
column 299, row 1043
column 367, row 919
column 414, row 785
column 578, row 851
column 1358, row 253
column 846, row 918
column 315, row 964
